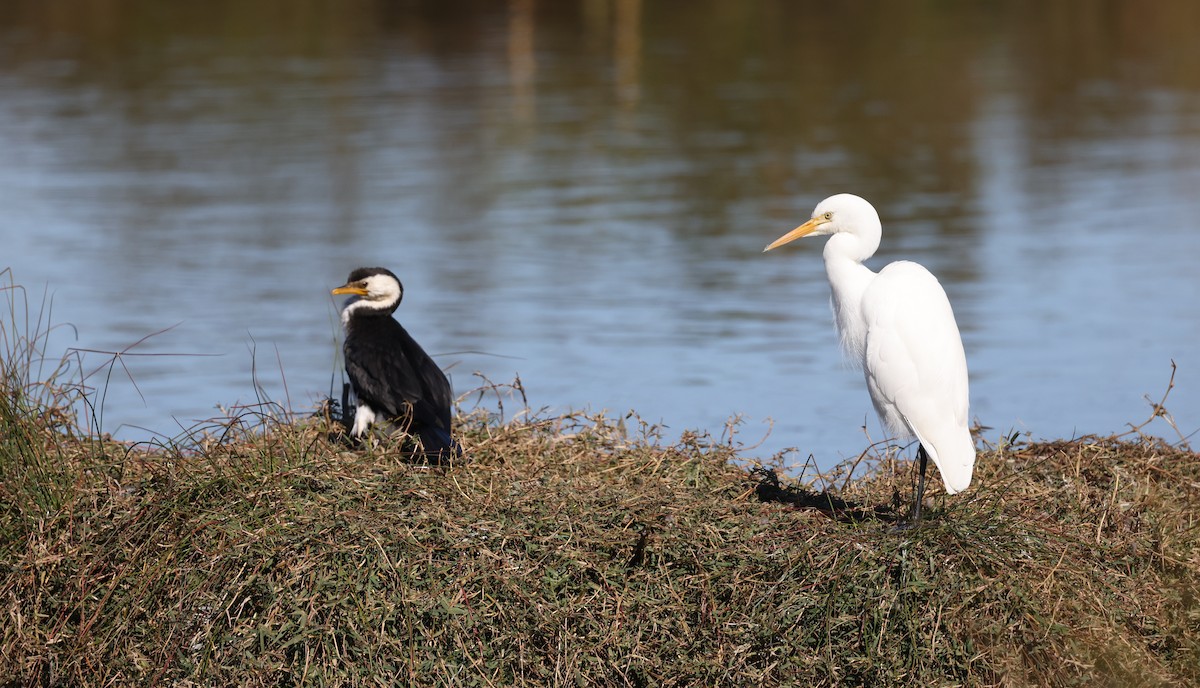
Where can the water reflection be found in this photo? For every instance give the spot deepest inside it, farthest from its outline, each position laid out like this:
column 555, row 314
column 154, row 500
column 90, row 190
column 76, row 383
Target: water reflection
column 583, row 189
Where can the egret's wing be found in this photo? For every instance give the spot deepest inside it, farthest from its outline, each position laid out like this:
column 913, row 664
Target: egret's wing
column 915, row 367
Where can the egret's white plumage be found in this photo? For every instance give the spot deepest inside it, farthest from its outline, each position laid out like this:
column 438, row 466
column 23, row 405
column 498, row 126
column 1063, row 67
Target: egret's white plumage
column 897, row 325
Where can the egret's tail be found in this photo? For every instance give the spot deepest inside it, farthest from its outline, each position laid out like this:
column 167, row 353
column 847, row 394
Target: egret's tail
column 955, row 458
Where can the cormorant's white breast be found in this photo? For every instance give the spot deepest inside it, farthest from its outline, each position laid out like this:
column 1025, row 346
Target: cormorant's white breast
column 393, row 378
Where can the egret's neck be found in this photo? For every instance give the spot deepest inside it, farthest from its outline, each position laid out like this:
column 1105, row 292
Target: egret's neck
column 848, row 280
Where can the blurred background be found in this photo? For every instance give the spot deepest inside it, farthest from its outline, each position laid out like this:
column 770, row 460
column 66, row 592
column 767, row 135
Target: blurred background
column 578, row 192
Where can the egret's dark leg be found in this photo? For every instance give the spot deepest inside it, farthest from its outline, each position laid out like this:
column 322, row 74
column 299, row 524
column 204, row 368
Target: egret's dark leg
column 915, row 515
column 916, row 510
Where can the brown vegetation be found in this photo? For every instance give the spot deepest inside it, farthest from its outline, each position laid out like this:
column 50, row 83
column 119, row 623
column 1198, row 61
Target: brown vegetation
column 568, row 552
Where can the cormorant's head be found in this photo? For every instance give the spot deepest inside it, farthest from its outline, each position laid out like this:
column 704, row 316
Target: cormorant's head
column 375, row 289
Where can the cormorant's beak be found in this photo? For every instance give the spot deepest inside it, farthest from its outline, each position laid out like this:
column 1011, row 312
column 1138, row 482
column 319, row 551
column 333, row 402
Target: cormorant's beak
column 803, row 230
column 350, row 289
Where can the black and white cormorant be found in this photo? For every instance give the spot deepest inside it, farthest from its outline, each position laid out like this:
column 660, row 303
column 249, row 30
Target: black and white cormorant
column 394, row 380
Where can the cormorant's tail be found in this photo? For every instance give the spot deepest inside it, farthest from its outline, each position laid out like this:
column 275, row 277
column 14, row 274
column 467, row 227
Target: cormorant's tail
column 437, row 446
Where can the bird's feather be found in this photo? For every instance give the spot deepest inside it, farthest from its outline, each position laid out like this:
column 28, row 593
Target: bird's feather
column 915, row 367
column 392, row 373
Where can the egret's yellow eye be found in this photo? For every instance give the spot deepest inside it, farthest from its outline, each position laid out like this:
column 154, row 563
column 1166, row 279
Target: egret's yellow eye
column 829, row 216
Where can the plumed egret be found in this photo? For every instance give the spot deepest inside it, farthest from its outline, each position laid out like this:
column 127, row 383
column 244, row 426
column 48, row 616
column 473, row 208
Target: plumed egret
column 897, row 325
column 394, row 380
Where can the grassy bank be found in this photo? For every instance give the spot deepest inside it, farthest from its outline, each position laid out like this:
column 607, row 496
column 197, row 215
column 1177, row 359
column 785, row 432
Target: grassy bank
column 568, row 552
column 578, row 551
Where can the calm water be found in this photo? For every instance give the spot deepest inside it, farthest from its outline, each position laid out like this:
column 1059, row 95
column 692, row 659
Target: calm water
column 578, row 193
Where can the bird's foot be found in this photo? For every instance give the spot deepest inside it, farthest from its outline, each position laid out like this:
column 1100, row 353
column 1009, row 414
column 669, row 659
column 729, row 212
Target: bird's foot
column 903, row 527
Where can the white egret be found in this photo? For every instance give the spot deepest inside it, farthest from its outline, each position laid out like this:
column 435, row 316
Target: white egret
column 897, row 325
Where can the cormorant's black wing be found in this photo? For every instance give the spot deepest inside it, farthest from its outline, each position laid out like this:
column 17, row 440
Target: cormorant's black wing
column 392, row 373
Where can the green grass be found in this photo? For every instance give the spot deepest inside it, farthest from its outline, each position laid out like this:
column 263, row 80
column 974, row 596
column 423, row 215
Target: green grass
column 579, row 550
